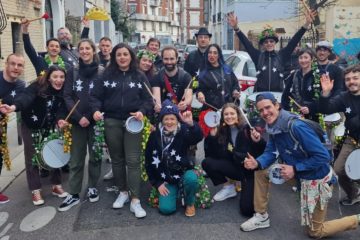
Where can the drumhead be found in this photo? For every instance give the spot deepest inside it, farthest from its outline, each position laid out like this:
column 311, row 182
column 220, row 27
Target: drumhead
column 277, row 96
column 339, row 131
column 133, row 125
column 332, row 117
column 212, row 119
column 53, row 154
column 195, row 103
column 274, row 174
column 352, row 165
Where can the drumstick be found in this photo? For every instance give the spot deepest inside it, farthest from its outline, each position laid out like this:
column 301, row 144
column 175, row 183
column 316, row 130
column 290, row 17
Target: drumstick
column 298, row 105
column 246, row 119
column 187, row 87
column 149, row 91
column 209, row 105
column 72, row 110
column 307, row 8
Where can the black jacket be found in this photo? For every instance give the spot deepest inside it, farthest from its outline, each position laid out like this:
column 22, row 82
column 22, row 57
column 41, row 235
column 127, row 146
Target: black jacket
column 214, row 82
column 79, row 83
column 194, row 62
column 270, row 68
column 119, row 93
column 170, row 169
column 347, row 103
column 41, row 110
column 10, row 91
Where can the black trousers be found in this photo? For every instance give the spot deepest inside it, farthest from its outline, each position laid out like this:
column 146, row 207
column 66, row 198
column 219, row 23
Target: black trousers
column 219, row 170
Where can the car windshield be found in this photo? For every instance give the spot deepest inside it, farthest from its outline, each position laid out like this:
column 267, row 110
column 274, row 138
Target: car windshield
column 190, row 48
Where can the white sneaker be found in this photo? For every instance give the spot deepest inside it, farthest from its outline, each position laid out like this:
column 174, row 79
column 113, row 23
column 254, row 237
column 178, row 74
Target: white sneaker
column 121, row 200
column 136, row 208
column 257, row 221
column 226, row 192
column 109, row 175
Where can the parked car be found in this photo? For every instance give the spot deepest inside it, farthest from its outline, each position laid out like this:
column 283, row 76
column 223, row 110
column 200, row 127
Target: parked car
column 245, row 71
column 227, row 53
column 188, row 49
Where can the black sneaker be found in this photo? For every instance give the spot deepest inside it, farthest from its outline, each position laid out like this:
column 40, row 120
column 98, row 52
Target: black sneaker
column 68, row 203
column 93, row 195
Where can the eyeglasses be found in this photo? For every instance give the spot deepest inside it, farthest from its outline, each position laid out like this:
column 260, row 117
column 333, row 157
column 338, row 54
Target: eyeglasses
column 269, row 41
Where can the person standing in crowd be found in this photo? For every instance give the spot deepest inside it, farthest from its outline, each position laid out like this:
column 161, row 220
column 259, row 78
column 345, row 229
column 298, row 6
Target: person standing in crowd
column 79, row 83
column 51, row 57
column 172, row 82
column 323, row 51
column 105, row 46
column 68, row 53
column 308, row 162
column 302, row 88
column 10, row 88
column 226, row 148
column 196, row 58
column 269, row 63
column 122, row 94
column 153, row 45
column 42, row 107
column 169, row 169
column 217, row 82
column 349, row 103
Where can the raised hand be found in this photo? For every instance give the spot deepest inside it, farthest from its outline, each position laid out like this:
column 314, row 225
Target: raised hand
column 232, row 20
column 187, row 118
column 326, row 84
column 309, row 18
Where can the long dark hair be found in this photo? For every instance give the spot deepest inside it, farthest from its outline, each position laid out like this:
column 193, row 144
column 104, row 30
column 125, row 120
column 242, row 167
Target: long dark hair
column 44, row 82
column 223, row 128
column 207, row 65
column 114, row 67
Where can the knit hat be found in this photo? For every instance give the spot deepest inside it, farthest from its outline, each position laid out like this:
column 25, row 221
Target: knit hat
column 324, row 44
column 169, row 108
column 265, row 95
column 268, row 33
column 203, row 31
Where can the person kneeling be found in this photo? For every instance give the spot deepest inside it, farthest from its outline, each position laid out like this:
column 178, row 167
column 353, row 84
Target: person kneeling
column 166, row 161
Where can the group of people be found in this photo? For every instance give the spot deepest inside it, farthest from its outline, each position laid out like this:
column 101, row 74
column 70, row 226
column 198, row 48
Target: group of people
column 117, row 83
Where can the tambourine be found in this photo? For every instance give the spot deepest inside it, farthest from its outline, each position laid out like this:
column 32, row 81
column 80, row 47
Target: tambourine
column 212, row 119
column 133, row 125
column 352, row 165
column 97, row 13
column 53, row 154
column 275, row 174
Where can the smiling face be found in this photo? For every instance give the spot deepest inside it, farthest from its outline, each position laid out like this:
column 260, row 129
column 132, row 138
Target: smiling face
column 322, row 54
column 14, row 67
column 169, row 59
column 145, row 63
column 269, row 45
column 170, row 122
column 268, row 110
column 213, row 56
column 230, row 116
column 86, row 52
column 153, row 47
column 53, row 48
column 352, row 82
column 57, row 79
column 123, row 58
column 305, row 60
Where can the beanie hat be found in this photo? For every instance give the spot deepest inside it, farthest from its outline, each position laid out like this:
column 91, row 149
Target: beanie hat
column 265, row 95
column 169, row 108
column 324, row 44
column 268, row 33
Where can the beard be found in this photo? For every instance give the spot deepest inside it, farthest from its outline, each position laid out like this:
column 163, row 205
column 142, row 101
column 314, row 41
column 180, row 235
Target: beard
column 170, row 67
column 64, row 43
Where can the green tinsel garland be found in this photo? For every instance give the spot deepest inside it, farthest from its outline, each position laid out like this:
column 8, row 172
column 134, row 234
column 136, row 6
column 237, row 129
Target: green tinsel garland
column 39, row 140
column 99, row 140
column 145, row 137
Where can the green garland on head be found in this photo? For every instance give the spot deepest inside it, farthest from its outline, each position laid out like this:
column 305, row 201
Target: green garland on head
column 99, row 140
column 146, row 53
column 60, row 62
column 145, row 137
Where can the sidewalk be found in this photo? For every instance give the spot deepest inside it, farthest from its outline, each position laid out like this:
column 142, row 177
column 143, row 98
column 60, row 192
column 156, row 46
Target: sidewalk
column 16, row 156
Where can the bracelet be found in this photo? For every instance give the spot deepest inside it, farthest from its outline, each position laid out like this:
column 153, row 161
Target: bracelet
column 237, row 29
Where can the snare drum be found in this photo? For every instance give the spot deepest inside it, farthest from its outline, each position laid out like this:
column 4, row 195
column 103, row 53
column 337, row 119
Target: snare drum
column 212, row 119
column 332, row 120
column 275, row 174
column 53, row 154
column 133, row 125
column 352, row 165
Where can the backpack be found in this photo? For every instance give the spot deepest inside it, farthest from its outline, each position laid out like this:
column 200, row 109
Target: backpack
column 322, row 135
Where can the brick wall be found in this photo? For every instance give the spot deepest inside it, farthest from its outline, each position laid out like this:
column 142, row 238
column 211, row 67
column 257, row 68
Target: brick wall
column 15, row 11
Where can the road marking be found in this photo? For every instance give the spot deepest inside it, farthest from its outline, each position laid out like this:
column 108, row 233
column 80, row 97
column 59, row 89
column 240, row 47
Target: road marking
column 3, row 232
column 3, row 218
column 7, row 237
column 37, row 219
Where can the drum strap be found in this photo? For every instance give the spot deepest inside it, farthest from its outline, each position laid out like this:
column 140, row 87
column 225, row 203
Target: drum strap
column 170, row 89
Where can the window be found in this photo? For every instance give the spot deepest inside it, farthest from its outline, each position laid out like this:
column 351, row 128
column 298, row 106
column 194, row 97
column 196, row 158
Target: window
column 160, row 26
column 250, row 69
column 132, row 8
column 144, row 25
